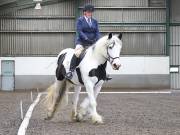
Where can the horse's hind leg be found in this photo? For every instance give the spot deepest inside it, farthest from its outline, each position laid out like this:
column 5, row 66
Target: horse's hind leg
column 83, row 109
column 77, row 90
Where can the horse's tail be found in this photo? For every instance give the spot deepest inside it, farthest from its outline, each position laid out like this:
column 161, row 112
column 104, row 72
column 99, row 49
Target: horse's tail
column 56, row 93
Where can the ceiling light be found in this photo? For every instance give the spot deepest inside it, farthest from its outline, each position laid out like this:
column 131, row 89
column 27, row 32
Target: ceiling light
column 38, row 6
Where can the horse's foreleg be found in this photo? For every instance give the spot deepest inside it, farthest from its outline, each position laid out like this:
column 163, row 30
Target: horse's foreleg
column 97, row 90
column 96, row 118
column 77, row 90
column 85, row 105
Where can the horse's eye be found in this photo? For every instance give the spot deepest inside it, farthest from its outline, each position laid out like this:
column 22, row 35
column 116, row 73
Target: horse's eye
column 112, row 45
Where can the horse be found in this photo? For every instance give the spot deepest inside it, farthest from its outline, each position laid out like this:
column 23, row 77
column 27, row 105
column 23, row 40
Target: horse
column 90, row 73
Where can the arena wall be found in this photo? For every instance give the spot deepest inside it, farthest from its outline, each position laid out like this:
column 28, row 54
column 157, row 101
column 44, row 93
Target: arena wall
column 136, row 72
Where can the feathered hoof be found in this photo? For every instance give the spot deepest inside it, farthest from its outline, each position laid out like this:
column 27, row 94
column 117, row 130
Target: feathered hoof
column 49, row 116
column 79, row 117
column 97, row 119
column 74, row 119
column 73, row 116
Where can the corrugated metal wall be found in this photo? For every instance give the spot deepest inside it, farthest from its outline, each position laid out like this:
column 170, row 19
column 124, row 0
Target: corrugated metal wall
column 143, row 25
column 44, row 32
column 37, row 24
column 125, row 3
column 131, row 15
column 116, row 3
column 175, row 43
column 175, row 12
column 175, row 56
column 28, row 44
column 140, row 39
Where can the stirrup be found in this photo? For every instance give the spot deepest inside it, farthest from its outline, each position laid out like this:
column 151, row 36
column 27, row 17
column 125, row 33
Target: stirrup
column 69, row 75
column 108, row 78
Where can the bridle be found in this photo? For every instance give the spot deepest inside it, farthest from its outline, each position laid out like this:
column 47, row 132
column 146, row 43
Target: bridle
column 110, row 58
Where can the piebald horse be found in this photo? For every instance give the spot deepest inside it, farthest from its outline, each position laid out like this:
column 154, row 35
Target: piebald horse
column 90, row 73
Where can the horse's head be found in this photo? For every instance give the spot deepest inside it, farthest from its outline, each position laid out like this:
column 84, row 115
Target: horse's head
column 114, row 45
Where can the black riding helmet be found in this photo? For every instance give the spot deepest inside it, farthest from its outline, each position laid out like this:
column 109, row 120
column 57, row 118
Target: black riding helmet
column 88, row 8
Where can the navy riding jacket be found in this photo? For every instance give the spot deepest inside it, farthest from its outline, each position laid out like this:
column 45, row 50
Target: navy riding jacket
column 86, row 35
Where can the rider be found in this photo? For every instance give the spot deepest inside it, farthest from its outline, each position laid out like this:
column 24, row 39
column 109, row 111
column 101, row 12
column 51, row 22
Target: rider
column 87, row 34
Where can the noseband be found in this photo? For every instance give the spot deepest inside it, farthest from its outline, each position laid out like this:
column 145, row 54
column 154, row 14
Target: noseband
column 109, row 58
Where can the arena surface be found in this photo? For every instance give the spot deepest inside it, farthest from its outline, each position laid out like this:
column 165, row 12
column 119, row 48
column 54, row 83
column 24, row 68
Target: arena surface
column 124, row 114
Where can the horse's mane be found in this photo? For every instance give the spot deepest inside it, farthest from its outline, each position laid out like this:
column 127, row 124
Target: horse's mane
column 99, row 43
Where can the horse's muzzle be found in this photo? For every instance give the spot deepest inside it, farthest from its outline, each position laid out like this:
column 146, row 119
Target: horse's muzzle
column 116, row 66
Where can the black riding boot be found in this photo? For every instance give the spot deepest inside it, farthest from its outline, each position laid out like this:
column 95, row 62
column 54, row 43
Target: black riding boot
column 73, row 65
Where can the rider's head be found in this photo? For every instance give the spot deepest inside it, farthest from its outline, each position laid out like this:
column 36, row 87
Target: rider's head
column 88, row 10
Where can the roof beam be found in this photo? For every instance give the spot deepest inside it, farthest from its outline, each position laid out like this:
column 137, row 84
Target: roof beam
column 5, row 2
column 24, row 4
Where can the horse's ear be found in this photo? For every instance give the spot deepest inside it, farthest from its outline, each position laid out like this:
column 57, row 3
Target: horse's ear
column 120, row 36
column 110, row 36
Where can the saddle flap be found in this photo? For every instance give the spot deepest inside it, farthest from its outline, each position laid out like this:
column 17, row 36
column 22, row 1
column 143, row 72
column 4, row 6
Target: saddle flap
column 81, row 56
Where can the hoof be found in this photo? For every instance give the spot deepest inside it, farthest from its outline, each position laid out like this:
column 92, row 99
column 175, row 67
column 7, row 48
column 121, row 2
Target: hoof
column 48, row 118
column 79, row 117
column 74, row 119
column 97, row 119
column 74, row 116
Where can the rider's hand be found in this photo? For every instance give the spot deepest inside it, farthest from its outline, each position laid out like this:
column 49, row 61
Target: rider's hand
column 90, row 41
